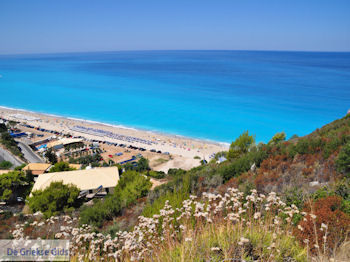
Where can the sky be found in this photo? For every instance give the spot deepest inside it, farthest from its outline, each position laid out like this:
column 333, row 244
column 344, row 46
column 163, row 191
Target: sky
column 38, row 26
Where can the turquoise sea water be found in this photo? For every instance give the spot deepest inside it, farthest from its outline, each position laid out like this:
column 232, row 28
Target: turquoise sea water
column 204, row 94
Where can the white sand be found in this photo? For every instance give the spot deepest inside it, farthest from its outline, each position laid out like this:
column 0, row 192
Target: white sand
column 182, row 148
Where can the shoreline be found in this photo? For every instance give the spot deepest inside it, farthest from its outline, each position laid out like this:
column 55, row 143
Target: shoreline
column 184, row 146
column 163, row 133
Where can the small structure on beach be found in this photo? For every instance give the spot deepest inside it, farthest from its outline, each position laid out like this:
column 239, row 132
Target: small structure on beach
column 37, row 168
column 125, row 159
column 91, row 181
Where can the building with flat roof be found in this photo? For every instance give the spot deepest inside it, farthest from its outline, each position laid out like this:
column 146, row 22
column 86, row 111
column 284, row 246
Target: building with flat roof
column 37, row 168
column 63, row 142
column 103, row 179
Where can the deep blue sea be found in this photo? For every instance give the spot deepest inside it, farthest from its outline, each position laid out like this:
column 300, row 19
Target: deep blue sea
column 214, row 95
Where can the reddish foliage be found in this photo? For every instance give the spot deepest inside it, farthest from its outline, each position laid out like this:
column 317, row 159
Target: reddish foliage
column 28, row 230
column 307, row 171
column 327, row 212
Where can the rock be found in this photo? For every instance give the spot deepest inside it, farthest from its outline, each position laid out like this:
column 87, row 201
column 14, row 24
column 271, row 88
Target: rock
column 253, row 168
column 38, row 214
column 314, row 183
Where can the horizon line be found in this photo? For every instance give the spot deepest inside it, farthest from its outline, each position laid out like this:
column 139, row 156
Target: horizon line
column 155, row 50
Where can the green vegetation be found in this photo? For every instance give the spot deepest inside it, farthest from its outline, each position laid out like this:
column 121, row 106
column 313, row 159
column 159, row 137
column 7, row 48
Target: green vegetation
column 141, row 166
column 7, row 140
column 93, row 160
column 74, row 146
column 277, row 138
column 215, row 243
column 179, row 188
column 61, row 166
column 19, row 168
column 241, row 145
column 243, row 163
column 285, row 167
column 51, row 156
column 55, row 199
column 343, row 160
column 131, row 186
column 15, row 184
column 5, row 165
column 3, row 128
column 155, row 174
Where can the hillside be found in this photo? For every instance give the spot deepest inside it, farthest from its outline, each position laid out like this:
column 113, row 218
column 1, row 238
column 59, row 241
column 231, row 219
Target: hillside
column 280, row 201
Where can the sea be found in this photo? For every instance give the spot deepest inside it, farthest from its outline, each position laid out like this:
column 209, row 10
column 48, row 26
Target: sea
column 213, row 95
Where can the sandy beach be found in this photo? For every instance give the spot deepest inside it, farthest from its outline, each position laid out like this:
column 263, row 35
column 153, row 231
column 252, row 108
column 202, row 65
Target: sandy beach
column 182, row 149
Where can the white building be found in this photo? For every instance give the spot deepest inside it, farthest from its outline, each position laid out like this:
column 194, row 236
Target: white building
column 102, row 180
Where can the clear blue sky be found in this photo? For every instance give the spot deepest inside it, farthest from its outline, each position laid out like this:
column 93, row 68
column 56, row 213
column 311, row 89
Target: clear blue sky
column 32, row 26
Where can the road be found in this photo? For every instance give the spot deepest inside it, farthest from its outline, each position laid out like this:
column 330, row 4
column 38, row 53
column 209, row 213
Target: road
column 7, row 156
column 29, row 154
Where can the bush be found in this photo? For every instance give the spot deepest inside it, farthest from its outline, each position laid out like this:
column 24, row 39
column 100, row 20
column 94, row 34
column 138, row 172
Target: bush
column 329, row 222
column 61, row 166
column 131, row 186
column 277, row 138
column 5, row 165
column 54, row 199
column 302, row 147
column 19, row 168
column 343, row 160
column 7, row 140
column 141, row 166
column 156, row 174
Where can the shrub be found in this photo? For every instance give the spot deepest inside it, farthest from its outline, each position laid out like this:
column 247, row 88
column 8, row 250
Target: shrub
column 131, row 186
column 212, row 228
column 54, row 199
column 302, row 147
column 156, row 174
column 343, row 160
column 61, row 166
column 326, row 228
column 277, row 138
column 7, row 140
column 5, row 165
column 19, row 168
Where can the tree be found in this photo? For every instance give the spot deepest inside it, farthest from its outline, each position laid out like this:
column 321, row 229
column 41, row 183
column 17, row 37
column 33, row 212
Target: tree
column 3, row 127
column 278, row 137
column 54, row 199
column 13, row 184
column 142, row 165
column 241, row 145
column 60, row 167
column 343, row 160
column 51, row 156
